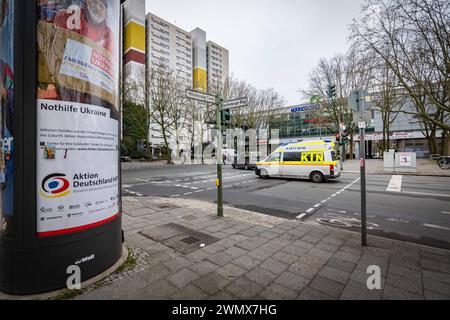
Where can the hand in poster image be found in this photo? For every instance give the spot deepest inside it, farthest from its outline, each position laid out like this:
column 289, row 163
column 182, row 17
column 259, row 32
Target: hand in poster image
column 88, row 20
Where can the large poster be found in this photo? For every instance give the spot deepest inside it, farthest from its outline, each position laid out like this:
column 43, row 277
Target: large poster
column 6, row 116
column 77, row 115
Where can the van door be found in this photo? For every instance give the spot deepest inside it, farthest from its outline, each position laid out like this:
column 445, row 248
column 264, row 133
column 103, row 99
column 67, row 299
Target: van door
column 273, row 164
column 291, row 164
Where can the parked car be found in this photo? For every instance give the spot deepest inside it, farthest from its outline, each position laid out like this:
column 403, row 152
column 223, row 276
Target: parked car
column 125, row 159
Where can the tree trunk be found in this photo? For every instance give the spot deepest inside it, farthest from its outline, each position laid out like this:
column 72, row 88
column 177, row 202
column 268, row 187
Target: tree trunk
column 445, row 143
column 432, row 143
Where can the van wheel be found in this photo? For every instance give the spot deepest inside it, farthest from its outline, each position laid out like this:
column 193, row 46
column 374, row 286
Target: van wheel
column 317, row 177
column 263, row 174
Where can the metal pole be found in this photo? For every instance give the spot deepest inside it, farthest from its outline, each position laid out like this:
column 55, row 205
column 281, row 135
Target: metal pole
column 362, row 150
column 341, row 141
column 219, row 159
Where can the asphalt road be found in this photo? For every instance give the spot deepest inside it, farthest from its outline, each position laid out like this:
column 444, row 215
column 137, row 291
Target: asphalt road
column 412, row 208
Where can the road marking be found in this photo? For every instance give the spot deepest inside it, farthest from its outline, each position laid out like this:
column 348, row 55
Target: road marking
column 126, row 186
column 395, row 185
column 397, row 220
column 328, row 199
column 301, row 216
column 175, row 195
column 445, row 212
column 187, row 193
column 435, row 226
column 428, row 194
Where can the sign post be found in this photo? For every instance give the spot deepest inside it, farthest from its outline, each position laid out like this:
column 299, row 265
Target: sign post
column 357, row 101
column 219, row 158
column 362, row 148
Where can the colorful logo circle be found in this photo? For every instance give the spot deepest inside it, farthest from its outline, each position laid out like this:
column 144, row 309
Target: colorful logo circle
column 55, row 185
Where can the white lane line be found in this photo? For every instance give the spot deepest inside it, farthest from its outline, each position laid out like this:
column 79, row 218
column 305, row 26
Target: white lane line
column 143, row 180
column 435, row 226
column 445, row 212
column 126, row 186
column 395, row 185
column 428, row 194
column 194, row 188
column 187, row 193
column 301, row 216
column 175, row 195
column 199, row 191
column 328, row 199
column 397, row 220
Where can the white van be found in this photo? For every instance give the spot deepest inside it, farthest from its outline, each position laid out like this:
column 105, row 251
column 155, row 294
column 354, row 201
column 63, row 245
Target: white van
column 314, row 160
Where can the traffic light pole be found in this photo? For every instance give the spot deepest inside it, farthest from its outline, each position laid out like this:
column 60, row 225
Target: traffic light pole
column 219, row 158
column 362, row 148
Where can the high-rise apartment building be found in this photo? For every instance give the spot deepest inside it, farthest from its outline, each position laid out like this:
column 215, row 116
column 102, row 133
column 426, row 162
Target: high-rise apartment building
column 169, row 46
column 151, row 42
column 134, row 47
column 217, row 63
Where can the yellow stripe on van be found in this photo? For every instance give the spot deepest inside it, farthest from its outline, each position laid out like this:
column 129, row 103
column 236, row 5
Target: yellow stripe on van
column 297, row 163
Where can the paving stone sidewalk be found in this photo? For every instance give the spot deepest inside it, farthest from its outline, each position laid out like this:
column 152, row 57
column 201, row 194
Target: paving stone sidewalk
column 262, row 257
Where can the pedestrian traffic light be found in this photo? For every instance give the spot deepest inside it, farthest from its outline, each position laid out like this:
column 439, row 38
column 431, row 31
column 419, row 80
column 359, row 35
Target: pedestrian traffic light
column 331, row 91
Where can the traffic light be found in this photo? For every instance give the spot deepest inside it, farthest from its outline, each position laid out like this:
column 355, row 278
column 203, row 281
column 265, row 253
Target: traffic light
column 338, row 137
column 331, row 91
column 225, row 115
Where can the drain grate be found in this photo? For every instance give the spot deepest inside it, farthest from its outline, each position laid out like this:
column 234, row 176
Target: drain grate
column 190, row 240
column 178, row 237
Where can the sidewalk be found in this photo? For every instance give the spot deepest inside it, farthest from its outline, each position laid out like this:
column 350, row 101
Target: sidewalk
column 253, row 256
column 425, row 167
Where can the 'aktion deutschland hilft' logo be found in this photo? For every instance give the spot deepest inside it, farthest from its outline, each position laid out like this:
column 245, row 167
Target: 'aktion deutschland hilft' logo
column 55, row 185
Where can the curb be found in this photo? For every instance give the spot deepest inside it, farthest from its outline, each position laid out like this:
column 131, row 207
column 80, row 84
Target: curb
column 84, row 285
column 401, row 173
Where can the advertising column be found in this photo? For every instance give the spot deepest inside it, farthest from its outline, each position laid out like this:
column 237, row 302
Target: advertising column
column 77, row 115
column 6, row 117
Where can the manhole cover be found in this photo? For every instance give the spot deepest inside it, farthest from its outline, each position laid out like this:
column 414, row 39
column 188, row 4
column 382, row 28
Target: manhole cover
column 167, row 206
column 190, row 240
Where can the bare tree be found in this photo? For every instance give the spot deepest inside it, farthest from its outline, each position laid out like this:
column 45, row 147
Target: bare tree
column 412, row 37
column 346, row 72
column 161, row 90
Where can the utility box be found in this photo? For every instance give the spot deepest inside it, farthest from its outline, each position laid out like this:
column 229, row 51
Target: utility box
column 405, row 162
column 399, row 161
column 59, row 123
column 389, row 161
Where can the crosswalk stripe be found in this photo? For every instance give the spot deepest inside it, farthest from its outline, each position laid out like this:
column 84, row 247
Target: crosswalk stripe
column 395, row 185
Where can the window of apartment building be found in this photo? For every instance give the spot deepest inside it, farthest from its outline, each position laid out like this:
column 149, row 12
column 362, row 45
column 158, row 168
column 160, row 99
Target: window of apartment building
column 160, row 37
column 165, row 25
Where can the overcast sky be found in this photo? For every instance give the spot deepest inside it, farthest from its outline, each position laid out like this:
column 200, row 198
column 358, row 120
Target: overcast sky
column 272, row 43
